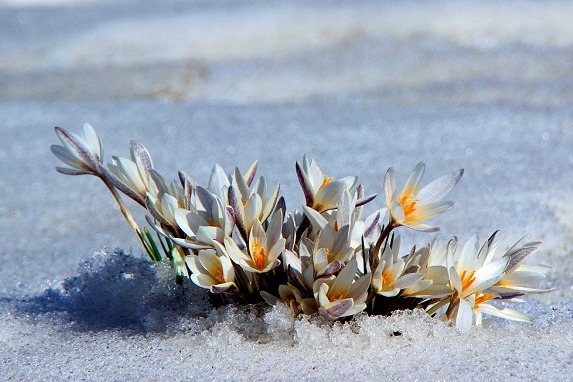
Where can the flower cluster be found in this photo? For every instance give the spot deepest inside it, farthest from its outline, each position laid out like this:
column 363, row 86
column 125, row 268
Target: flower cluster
column 235, row 238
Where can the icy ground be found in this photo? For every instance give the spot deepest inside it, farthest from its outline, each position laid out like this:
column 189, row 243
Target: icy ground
column 360, row 86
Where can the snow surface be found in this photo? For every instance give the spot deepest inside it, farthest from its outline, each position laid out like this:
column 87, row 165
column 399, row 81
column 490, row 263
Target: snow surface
column 360, row 86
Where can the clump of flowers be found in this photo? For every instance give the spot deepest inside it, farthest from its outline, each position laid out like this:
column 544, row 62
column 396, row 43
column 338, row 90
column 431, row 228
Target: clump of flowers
column 236, row 239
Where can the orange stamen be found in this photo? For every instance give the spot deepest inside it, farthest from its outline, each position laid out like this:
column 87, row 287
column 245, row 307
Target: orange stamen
column 258, row 254
column 326, row 181
column 467, row 279
column 217, row 273
column 482, row 297
column 408, row 202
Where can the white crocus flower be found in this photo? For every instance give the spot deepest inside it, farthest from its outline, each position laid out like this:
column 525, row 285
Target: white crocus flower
column 475, row 271
column 518, row 276
column 251, row 203
column 83, row 153
column 211, row 270
column 346, row 214
column 163, row 208
column 263, row 248
column 415, row 204
column 331, row 250
column 435, row 282
column 389, row 277
column 293, row 298
column 219, row 181
column 321, row 192
column 133, row 176
column 207, row 222
column 341, row 296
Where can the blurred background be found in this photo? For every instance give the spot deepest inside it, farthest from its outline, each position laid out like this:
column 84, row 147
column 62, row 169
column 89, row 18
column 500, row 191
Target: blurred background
column 360, row 85
column 287, row 52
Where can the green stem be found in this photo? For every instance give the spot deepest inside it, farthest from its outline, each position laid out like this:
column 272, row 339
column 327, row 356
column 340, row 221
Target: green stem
column 383, row 236
column 126, row 214
column 435, row 308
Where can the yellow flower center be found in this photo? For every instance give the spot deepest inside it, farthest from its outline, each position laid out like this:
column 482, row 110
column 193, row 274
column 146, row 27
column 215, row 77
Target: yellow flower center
column 408, row 202
column 342, row 292
column 326, row 181
column 328, row 255
column 482, row 297
column 387, row 278
column 258, row 254
column 217, row 273
column 467, row 279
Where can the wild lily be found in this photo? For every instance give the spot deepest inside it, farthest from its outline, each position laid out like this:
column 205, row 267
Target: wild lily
column 84, row 154
column 434, row 284
column 293, row 298
column 346, row 214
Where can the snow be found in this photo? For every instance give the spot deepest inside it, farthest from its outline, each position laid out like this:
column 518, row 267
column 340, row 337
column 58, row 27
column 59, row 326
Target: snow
column 360, row 86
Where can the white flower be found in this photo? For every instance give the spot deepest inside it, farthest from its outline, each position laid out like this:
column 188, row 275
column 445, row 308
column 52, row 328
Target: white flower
column 475, row 271
column 414, row 204
column 208, row 221
column 345, row 215
column 251, row 204
column 264, row 248
column 341, row 296
column 518, row 277
column 134, row 177
column 293, row 298
column 390, row 277
column 211, row 270
column 435, row 282
column 83, row 153
column 219, row 182
column 321, row 192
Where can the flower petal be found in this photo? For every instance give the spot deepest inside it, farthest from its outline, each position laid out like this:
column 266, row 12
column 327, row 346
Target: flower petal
column 439, row 188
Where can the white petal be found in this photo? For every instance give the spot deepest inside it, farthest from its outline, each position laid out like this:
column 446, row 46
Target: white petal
column 407, row 280
column 413, row 182
column 253, row 210
column 344, row 280
column 390, row 188
column 487, row 276
column 359, row 290
column 234, row 252
column 71, row 171
column 439, row 188
column 92, row 140
column 468, row 256
column 218, row 180
column 316, row 219
column 455, row 280
column 506, row 313
column 328, row 196
column 207, row 234
column 182, row 218
column 464, row 317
